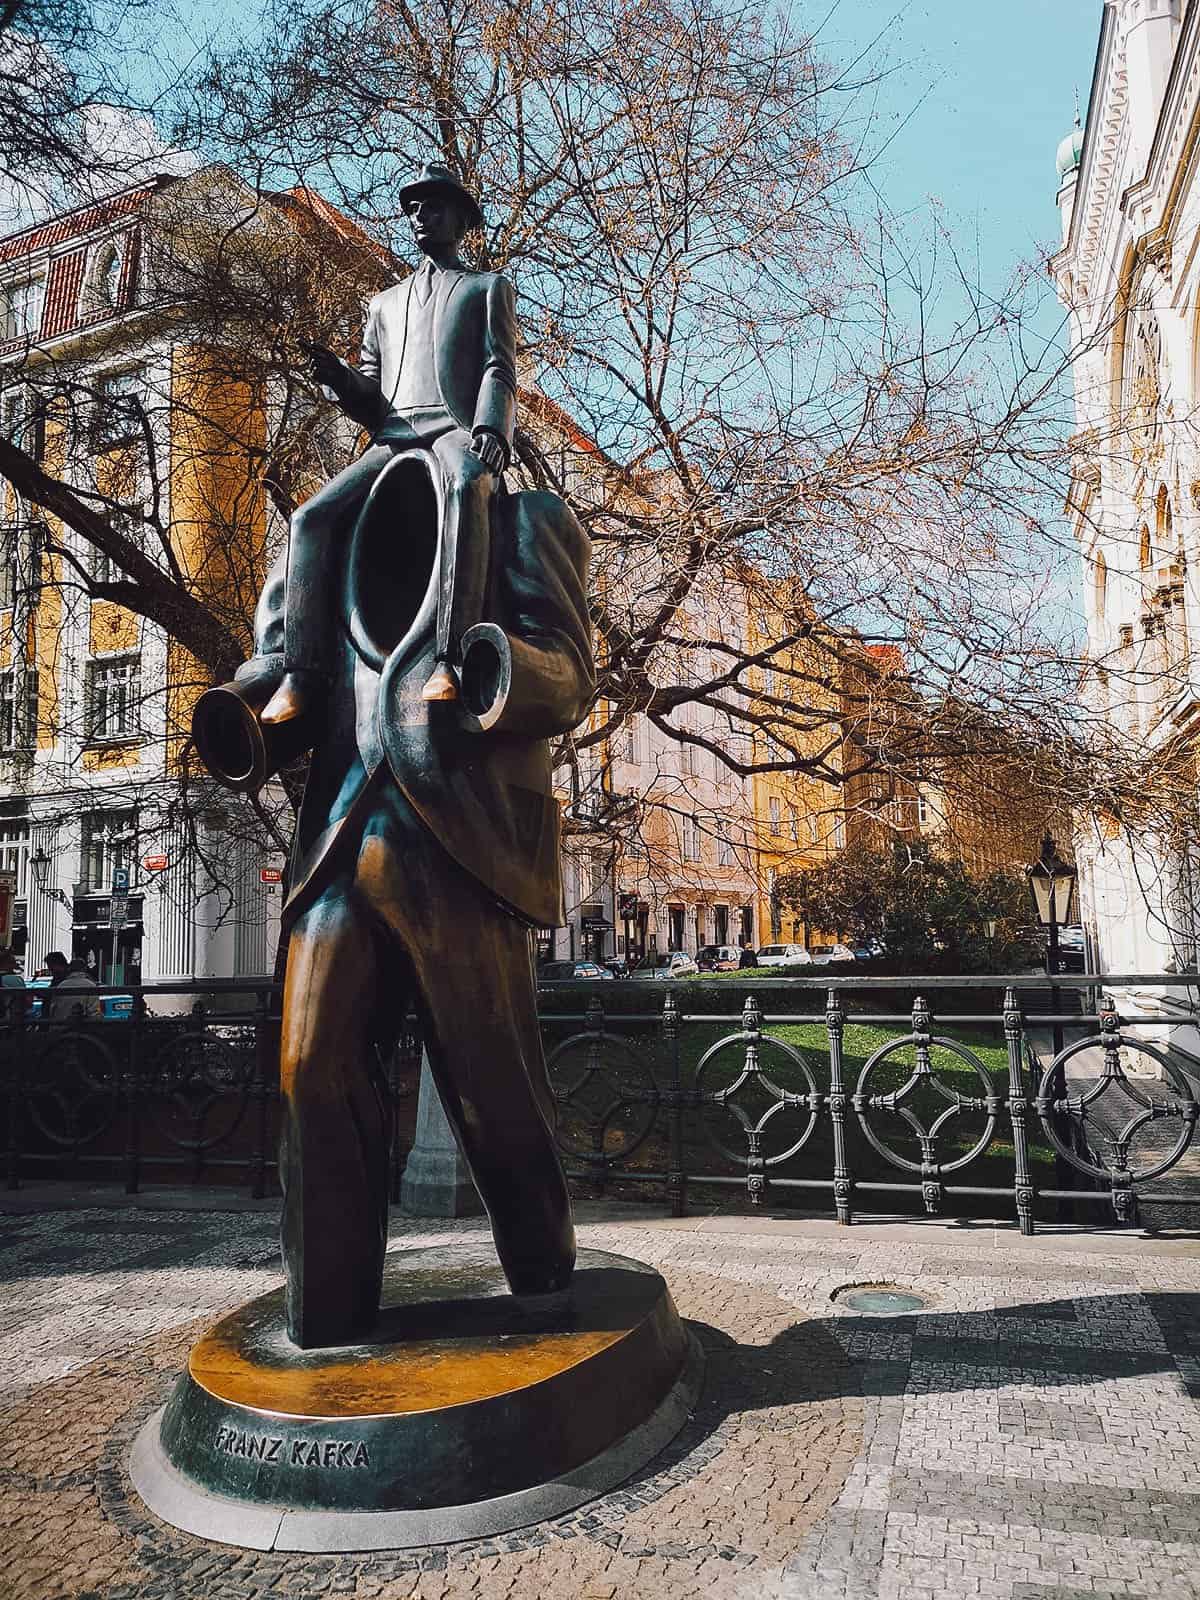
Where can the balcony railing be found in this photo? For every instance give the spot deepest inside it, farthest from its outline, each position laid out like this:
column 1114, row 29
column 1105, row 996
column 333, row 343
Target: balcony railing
column 814, row 1092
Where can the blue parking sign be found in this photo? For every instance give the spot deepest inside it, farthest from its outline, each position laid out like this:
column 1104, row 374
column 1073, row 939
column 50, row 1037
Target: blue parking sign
column 120, row 878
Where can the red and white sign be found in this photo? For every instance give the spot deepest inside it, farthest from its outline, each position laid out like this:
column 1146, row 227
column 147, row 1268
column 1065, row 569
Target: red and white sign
column 270, row 875
column 155, row 863
column 8, row 893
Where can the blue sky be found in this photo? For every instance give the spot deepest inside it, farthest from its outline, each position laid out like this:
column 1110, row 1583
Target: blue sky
column 987, row 89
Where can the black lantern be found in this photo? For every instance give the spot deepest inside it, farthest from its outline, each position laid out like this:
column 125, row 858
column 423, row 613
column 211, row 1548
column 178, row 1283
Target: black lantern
column 1052, row 885
column 39, row 863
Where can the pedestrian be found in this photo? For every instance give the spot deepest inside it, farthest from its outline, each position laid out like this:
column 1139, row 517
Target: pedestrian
column 76, row 995
column 11, row 1009
column 57, row 965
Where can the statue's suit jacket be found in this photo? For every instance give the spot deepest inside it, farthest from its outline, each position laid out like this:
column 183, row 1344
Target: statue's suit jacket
column 475, row 347
column 486, row 796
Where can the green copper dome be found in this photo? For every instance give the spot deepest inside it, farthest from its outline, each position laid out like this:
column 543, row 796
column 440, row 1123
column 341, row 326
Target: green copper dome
column 1069, row 152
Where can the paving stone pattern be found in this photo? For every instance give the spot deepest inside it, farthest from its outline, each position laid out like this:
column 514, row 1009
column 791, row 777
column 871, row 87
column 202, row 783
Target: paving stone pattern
column 1033, row 1435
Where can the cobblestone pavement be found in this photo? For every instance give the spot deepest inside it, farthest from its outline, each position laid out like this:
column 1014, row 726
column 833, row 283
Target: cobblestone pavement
column 1034, row 1434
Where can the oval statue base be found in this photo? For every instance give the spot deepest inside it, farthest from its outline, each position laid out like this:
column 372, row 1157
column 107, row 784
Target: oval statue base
column 465, row 1414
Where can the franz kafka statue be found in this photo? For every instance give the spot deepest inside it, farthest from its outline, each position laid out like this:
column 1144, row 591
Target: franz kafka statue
column 426, row 639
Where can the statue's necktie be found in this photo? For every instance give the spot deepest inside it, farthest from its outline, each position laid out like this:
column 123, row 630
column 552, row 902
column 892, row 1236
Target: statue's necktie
column 423, row 284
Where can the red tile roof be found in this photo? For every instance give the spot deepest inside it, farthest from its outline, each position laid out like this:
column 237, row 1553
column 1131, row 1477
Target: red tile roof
column 75, row 224
column 64, row 281
column 889, row 656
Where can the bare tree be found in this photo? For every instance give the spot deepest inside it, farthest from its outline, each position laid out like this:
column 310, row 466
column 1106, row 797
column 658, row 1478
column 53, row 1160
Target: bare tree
column 797, row 437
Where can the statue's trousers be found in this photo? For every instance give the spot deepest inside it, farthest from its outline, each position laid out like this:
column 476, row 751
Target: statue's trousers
column 400, row 921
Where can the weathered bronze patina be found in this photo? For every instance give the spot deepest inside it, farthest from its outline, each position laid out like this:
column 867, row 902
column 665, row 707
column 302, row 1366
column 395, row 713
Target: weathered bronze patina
column 461, row 1412
column 426, row 638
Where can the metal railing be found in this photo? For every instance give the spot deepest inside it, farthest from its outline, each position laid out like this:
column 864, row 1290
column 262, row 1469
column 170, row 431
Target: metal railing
column 788, row 1094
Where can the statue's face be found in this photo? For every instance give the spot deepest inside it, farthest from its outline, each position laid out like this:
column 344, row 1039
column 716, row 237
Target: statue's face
column 437, row 220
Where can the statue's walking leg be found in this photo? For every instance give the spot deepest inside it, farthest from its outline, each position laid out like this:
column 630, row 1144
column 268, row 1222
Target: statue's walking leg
column 475, row 989
column 334, row 1134
column 315, row 546
column 465, row 554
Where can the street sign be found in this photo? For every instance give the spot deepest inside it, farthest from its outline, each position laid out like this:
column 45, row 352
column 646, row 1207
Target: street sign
column 120, row 879
column 270, row 875
column 158, row 863
column 118, row 908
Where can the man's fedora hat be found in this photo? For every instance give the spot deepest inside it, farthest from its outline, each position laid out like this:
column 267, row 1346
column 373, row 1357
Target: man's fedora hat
column 433, row 177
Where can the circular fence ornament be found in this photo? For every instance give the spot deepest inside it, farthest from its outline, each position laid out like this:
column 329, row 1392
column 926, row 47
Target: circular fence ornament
column 924, row 1079
column 71, row 1087
column 615, row 1118
column 1114, row 1080
column 752, row 1079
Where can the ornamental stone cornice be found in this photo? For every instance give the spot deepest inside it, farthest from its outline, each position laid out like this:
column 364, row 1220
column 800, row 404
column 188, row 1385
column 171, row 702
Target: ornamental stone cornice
column 1151, row 203
column 1098, row 163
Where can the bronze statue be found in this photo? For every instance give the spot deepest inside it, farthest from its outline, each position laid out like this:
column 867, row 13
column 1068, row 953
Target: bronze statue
column 429, row 638
column 438, row 368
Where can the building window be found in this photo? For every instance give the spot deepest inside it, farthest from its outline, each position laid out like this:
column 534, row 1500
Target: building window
column 922, row 808
column 8, row 568
column 691, row 839
column 23, row 421
column 102, row 286
column 773, row 807
column 1100, row 585
column 23, row 309
column 794, row 824
column 119, row 409
column 130, row 523
column 14, row 853
column 18, row 710
column 725, row 856
column 109, row 843
column 113, row 698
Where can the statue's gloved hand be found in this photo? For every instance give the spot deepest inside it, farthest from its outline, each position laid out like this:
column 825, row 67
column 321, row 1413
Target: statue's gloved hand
column 489, row 447
column 327, row 369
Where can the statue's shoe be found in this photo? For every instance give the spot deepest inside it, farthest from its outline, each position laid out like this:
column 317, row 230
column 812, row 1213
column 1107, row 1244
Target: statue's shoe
column 441, row 684
column 291, row 700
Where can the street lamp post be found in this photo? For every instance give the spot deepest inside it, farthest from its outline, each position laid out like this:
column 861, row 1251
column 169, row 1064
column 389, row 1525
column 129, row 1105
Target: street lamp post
column 40, row 863
column 1052, row 885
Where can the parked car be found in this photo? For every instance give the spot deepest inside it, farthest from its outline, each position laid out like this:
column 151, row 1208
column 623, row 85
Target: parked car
column 784, row 955
column 559, row 971
column 824, row 955
column 113, row 1007
column 1072, row 949
column 675, row 964
column 718, row 958
column 618, row 966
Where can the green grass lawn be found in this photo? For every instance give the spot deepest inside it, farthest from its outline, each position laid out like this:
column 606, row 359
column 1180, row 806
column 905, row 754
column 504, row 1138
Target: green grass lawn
column 610, row 1106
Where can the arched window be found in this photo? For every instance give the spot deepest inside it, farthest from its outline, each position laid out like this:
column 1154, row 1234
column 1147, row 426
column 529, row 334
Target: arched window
column 1141, row 375
column 102, row 285
column 1099, row 585
column 112, row 277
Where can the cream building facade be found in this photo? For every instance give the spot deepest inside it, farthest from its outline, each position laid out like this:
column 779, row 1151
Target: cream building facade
column 1129, row 274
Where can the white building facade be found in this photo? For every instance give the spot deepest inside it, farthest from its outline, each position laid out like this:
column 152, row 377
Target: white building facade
column 1128, row 273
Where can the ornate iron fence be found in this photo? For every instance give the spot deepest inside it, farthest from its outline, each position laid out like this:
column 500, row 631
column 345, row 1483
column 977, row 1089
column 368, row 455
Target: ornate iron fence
column 660, row 1089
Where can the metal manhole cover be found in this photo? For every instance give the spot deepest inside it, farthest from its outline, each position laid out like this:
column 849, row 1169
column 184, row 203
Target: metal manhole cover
column 879, row 1299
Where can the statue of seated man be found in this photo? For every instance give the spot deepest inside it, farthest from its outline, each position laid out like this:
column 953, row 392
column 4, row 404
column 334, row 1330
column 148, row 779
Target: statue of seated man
column 438, row 370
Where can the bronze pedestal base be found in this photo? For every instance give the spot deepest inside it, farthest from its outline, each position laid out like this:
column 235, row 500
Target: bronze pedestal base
column 464, row 1415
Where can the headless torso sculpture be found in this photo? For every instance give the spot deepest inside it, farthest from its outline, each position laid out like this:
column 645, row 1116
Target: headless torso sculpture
column 427, row 843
